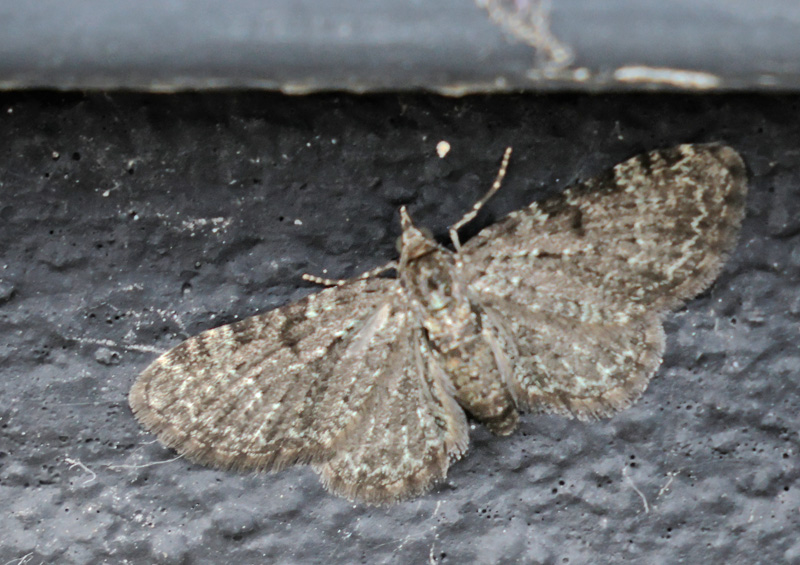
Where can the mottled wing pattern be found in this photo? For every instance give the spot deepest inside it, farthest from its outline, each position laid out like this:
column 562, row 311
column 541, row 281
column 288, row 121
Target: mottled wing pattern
column 654, row 230
column 590, row 271
column 412, row 429
column 572, row 365
column 275, row 389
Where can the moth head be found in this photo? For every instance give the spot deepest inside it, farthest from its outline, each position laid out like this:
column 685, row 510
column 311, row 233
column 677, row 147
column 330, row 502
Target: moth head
column 414, row 242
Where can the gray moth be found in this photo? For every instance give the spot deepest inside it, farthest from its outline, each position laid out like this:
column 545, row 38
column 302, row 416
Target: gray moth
column 556, row 308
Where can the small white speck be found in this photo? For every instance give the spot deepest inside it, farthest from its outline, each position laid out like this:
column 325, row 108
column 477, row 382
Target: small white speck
column 582, row 74
column 442, row 149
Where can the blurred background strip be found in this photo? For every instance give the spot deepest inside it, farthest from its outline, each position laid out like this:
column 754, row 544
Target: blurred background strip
column 447, row 46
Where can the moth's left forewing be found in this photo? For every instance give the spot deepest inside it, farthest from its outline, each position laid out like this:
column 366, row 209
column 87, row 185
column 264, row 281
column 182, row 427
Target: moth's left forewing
column 654, row 230
column 666, row 221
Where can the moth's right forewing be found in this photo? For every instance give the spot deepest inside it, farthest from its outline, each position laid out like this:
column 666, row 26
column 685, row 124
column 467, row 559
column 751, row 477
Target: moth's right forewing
column 265, row 392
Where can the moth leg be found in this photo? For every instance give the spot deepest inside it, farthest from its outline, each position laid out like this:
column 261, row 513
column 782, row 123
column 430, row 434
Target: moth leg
column 469, row 216
column 339, row 282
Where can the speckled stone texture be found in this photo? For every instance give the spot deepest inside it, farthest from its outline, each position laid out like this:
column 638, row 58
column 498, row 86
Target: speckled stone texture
column 129, row 222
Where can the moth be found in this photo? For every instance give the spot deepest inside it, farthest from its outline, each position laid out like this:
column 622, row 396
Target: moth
column 556, row 308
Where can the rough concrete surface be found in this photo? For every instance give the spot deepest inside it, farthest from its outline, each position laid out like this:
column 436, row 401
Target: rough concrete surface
column 130, row 222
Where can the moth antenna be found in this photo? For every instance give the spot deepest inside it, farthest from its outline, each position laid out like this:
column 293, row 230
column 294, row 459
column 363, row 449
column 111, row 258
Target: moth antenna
column 339, row 282
column 469, row 216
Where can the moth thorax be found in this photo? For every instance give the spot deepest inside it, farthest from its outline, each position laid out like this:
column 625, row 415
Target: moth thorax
column 449, row 328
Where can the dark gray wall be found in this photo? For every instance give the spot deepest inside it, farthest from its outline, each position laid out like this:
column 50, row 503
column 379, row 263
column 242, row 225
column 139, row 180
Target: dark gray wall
column 129, row 222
